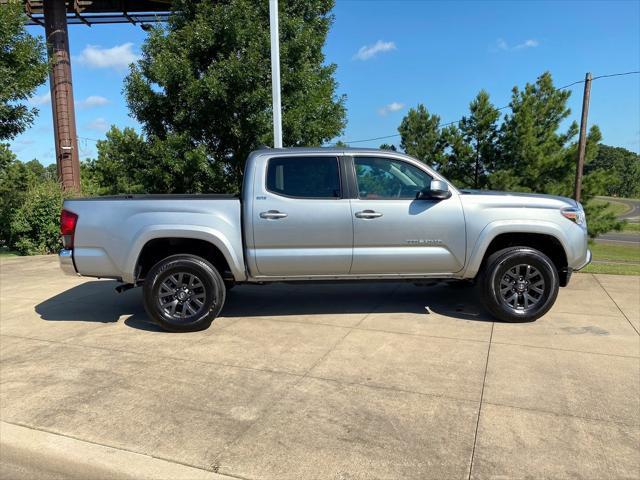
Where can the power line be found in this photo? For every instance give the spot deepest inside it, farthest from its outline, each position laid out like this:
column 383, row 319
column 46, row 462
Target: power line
column 384, row 137
column 501, row 108
column 90, row 139
column 615, row 75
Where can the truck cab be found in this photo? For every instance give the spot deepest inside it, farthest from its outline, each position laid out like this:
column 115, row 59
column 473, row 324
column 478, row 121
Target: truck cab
column 329, row 215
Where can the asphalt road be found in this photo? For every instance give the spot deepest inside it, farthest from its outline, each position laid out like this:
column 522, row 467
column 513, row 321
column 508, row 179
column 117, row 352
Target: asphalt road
column 632, row 215
column 634, row 205
column 620, row 238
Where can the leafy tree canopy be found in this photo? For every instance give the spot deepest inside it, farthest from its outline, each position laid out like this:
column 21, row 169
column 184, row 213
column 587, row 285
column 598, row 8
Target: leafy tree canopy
column 421, row 136
column 16, row 179
column 621, row 168
column 202, row 89
column 23, row 67
column 480, row 131
column 387, row 146
column 533, row 152
column 528, row 152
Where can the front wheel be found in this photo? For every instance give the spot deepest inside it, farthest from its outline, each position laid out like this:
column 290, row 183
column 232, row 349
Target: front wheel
column 183, row 293
column 519, row 284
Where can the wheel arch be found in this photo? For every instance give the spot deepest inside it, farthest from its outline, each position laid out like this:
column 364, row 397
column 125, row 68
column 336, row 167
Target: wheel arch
column 546, row 239
column 151, row 246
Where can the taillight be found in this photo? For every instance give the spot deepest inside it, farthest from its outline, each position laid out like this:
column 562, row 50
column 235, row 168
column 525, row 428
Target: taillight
column 68, row 222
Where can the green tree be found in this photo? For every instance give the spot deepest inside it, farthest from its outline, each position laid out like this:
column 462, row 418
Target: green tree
column 35, row 224
column 17, row 179
column 459, row 159
column 533, row 152
column 536, row 157
column 202, row 89
column 480, row 132
column 127, row 163
column 121, row 164
column 444, row 149
column 23, row 67
column 420, row 137
column 387, row 146
column 621, row 168
column 341, row 144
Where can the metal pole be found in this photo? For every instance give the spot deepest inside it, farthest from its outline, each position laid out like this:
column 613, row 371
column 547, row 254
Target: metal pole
column 64, row 121
column 582, row 142
column 275, row 73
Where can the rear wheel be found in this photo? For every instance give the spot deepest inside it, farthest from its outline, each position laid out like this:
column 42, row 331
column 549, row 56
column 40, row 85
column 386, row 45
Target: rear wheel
column 183, row 293
column 519, row 284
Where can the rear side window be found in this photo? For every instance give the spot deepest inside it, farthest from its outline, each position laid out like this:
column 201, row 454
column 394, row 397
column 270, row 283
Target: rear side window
column 304, row 177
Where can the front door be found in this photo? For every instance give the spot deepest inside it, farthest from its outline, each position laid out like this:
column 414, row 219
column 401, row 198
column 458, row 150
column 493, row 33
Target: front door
column 301, row 223
column 394, row 233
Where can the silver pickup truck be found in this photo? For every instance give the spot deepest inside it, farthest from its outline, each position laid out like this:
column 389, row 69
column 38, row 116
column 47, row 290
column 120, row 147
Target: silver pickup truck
column 327, row 214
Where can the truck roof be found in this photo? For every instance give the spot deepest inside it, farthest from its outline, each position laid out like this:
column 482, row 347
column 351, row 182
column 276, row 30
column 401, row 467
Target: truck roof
column 271, row 151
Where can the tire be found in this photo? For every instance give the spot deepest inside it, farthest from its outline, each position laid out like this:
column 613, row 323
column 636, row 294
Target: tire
column 183, row 293
column 518, row 284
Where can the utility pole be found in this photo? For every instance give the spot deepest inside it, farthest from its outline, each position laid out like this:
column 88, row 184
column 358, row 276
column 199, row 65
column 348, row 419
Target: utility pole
column 582, row 142
column 275, row 73
column 64, row 121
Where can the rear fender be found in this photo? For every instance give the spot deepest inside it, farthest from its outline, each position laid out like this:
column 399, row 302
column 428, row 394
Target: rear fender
column 215, row 237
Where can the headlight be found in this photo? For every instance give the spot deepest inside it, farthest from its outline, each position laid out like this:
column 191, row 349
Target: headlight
column 574, row 214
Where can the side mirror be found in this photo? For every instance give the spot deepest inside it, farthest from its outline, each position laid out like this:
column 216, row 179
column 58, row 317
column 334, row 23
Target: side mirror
column 438, row 190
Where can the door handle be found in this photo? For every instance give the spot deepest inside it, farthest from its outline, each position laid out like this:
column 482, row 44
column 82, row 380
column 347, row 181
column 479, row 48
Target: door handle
column 273, row 215
column 368, row 214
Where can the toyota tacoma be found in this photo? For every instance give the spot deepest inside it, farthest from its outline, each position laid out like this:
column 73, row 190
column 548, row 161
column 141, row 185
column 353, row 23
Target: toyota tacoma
column 327, row 214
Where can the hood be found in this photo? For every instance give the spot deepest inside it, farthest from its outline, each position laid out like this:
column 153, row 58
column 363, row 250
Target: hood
column 521, row 196
column 493, row 199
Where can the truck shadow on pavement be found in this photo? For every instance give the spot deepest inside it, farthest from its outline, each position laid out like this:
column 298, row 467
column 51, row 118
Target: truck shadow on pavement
column 97, row 301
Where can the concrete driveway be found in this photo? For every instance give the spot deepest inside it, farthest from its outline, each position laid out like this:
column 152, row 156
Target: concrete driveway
column 335, row 381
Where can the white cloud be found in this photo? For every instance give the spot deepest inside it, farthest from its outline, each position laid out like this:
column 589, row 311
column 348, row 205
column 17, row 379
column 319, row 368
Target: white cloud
column 118, row 57
column 392, row 107
column 37, row 100
column 369, row 51
column 92, row 101
column 98, row 125
column 531, row 43
column 501, row 44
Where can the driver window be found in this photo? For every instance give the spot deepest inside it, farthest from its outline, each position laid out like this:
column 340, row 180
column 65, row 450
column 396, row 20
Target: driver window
column 385, row 178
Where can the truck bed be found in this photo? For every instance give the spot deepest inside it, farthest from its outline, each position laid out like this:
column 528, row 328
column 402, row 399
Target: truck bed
column 162, row 196
column 112, row 231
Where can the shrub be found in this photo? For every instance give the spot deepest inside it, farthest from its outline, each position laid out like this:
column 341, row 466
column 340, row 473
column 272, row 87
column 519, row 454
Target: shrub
column 35, row 223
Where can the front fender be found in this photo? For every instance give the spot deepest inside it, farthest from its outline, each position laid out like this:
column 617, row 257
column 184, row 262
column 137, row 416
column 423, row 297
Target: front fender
column 498, row 227
column 215, row 237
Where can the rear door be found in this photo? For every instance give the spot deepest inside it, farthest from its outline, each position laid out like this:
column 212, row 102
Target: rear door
column 301, row 223
column 396, row 234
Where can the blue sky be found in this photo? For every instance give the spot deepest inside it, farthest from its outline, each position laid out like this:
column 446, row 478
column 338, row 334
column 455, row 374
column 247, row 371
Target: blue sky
column 392, row 55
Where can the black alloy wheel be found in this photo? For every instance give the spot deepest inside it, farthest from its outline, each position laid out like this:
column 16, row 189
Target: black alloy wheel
column 518, row 284
column 183, row 293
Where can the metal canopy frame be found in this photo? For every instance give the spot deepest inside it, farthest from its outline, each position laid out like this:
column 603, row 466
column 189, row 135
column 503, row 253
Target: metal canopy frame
column 55, row 16
column 89, row 12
